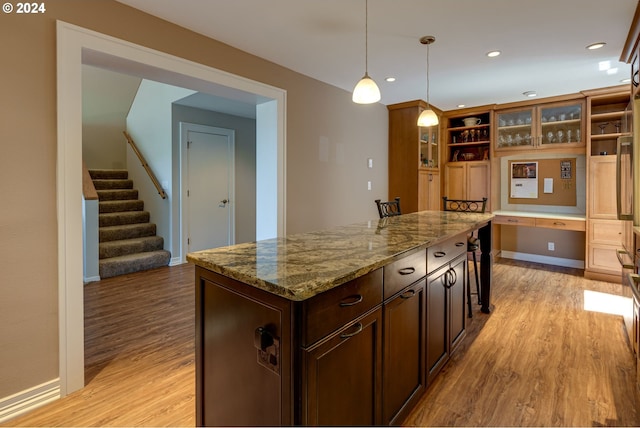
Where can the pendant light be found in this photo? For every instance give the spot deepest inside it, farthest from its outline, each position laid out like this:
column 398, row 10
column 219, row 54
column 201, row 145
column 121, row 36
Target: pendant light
column 428, row 116
column 366, row 91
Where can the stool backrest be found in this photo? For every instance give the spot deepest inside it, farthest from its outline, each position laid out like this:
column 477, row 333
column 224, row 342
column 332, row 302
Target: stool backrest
column 465, row 205
column 389, row 208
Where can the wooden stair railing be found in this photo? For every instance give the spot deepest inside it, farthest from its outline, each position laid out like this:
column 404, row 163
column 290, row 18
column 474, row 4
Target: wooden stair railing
column 88, row 189
column 145, row 165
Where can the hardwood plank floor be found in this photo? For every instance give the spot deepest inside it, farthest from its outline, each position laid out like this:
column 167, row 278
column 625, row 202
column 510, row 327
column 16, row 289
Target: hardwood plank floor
column 539, row 359
column 139, row 354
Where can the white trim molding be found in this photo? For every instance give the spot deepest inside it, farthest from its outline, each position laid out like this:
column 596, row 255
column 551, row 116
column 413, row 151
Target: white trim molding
column 29, row 399
column 77, row 46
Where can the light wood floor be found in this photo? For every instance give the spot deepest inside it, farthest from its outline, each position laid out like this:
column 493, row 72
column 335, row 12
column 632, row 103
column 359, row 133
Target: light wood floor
column 539, row 359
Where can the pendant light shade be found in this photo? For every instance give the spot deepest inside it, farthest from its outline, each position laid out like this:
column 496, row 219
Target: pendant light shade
column 428, row 117
column 366, row 91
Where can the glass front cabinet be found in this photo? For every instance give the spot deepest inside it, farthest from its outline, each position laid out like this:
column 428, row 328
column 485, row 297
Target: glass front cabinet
column 547, row 126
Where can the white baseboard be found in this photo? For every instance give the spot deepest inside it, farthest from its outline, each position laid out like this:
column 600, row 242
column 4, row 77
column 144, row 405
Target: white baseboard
column 537, row 258
column 175, row 261
column 29, row 399
column 91, row 279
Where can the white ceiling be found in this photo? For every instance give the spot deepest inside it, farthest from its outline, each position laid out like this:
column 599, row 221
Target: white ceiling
column 542, row 42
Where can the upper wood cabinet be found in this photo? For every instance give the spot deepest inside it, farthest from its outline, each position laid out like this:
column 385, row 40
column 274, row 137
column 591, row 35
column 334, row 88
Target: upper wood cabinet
column 414, row 158
column 610, row 116
column 468, row 136
column 546, row 126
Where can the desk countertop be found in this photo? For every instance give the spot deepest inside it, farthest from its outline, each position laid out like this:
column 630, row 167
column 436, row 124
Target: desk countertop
column 559, row 216
column 300, row 266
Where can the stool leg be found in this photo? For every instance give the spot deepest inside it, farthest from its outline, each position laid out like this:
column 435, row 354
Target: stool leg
column 468, row 293
column 475, row 270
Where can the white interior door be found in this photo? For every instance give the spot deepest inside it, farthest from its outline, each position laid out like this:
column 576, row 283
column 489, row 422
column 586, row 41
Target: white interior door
column 209, row 186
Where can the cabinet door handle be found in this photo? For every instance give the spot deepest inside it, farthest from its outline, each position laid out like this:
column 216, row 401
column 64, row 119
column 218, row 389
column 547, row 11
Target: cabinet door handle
column 559, row 223
column 439, row 254
column 408, row 294
column 459, row 244
column 358, row 329
column 454, row 278
column 351, row 300
column 407, row 271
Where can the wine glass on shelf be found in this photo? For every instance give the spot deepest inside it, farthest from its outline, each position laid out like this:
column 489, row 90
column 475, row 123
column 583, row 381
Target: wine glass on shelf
column 618, row 125
column 602, row 126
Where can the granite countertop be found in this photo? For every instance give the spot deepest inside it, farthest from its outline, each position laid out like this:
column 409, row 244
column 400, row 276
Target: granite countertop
column 299, row 266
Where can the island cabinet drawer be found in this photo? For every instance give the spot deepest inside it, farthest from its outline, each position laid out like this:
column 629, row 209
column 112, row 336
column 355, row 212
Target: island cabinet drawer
column 331, row 310
column 404, row 272
column 444, row 252
column 555, row 223
column 514, row 220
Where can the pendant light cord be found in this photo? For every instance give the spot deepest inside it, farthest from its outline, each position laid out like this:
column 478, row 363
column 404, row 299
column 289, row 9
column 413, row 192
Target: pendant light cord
column 428, row 75
column 366, row 37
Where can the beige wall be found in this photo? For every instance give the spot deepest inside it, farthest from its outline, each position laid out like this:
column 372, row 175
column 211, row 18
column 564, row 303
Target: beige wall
column 320, row 192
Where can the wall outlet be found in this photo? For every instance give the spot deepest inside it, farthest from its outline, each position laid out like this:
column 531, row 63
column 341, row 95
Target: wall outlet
column 551, row 246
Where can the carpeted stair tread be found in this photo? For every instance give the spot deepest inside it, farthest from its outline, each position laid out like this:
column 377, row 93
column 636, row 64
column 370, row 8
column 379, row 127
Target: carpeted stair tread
column 130, row 246
column 127, row 231
column 121, row 218
column 133, row 263
column 127, row 241
column 117, row 194
column 106, row 174
column 120, row 206
column 112, row 184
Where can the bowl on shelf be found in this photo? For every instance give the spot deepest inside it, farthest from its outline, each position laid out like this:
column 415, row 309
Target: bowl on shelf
column 471, row 121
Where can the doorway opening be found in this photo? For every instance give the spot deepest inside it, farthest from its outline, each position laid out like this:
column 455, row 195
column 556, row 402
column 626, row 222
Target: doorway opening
column 77, row 46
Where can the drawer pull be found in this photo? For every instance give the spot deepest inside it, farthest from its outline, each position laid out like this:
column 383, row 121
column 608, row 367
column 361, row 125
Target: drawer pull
column 407, row 271
column 559, row 223
column 459, row 244
column 358, row 329
column 512, row 220
column 439, row 254
column 351, row 300
column 408, row 294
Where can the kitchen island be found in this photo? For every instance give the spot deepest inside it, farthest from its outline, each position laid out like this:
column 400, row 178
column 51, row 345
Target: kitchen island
column 345, row 326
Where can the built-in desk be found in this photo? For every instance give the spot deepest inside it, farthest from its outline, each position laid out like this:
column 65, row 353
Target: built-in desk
column 575, row 222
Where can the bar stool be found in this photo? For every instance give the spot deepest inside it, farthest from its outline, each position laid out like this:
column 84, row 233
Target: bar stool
column 473, row 243
column 389, row 208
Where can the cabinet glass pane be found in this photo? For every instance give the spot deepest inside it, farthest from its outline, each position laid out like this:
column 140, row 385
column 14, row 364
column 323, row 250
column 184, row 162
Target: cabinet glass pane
column 561, row 124
column 514, row 129
column 429, row 147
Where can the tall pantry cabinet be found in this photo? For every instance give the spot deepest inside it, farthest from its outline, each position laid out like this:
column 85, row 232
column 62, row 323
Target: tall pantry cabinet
column 414, row 158
column 607, row 110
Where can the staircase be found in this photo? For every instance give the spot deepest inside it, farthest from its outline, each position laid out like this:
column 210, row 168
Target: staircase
column 127, row 241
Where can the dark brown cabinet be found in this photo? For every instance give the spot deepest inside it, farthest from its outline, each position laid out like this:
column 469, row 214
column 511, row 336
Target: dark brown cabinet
column 361, row 353
column 445, row 312
column 404, row 360
column 343, row 375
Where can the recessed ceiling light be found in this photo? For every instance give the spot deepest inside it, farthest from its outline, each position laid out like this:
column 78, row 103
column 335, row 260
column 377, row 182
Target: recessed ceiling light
column 493, row 54
column 596, row 45
column 612, row 71
column 390, row 79
column 627, row 80
column 461, row 105
column 530, row 94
